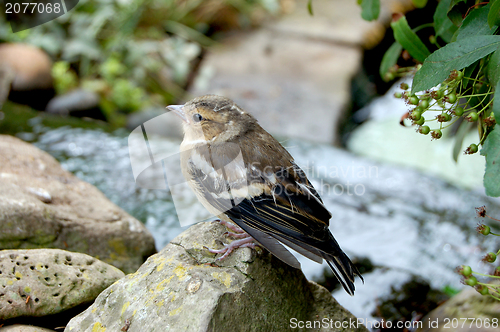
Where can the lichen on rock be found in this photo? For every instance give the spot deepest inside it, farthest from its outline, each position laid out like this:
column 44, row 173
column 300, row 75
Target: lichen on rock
column 184, row 288
column 41, row 282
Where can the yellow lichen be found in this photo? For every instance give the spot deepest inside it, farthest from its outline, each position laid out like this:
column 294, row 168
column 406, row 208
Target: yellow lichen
column 18, row 275
column 27, row 289
column 175, row 311
column 125, row 306
column 223, row 277
column 160, row 267
column 180, row 272
column 97, row 327
column 162, row 285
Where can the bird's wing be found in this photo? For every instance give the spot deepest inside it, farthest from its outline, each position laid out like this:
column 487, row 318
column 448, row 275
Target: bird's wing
column 292, row 213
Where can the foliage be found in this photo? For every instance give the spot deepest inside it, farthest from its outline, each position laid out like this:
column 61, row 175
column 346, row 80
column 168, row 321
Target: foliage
column 457, row 79
column 135, row 53
column 470, row 277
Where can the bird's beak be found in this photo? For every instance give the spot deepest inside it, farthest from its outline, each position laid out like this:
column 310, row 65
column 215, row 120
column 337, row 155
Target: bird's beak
column 178, row 110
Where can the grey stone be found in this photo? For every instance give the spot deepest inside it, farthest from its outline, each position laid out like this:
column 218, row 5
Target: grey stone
column 23, row 328
column 42, row 282
column 74, row 101
column 42, row 205
column 183, row 288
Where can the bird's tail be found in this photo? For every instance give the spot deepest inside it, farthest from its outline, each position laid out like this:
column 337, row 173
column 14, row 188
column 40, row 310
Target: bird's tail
column 343, row 269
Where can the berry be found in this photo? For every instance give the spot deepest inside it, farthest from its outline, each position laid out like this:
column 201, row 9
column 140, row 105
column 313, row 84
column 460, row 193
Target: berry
column 471, row 149
column 432, row 39
column 460, row 75
column 458, row 111
column 465, row 270
column 490, row 257
column 436, row 134
column 424, row 129
column 424, row 103
column 388, row 76
column 404, row 86
column 445, row 117
column 471, row 281
column 490, row 121
column 472, row 117
column 483, row 290
column 398, row 94
column 484, row 229
column 414, row 100
column 420, row 121
column 416, row 115
column 452, row 98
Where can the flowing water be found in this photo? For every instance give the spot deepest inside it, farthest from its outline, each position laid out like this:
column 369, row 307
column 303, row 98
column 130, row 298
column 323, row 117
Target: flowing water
column 405, row 222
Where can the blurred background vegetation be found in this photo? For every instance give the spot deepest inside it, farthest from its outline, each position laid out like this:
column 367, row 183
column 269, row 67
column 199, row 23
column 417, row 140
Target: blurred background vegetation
column 136, row 53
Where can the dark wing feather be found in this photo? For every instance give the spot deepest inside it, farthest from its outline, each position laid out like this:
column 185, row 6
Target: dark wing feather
column 278, row 222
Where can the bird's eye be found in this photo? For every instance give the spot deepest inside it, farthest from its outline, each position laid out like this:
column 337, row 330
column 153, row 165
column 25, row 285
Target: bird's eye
column 197, row 117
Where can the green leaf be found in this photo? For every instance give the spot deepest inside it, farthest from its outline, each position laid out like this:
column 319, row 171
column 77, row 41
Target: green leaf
column 409, row 39
column 390, row 58
column 443, row 26
column 494, row 14
column 491, row 151
column 310, row 7
column 493, row 68
column 370, row 9
column 455, row 11
column 496, row 103
column 464, row 128
column 456, row 55
column 475, row 24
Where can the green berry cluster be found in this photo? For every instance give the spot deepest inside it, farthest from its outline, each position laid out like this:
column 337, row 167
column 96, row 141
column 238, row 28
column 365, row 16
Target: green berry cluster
column 484, row 288
column 458, row 97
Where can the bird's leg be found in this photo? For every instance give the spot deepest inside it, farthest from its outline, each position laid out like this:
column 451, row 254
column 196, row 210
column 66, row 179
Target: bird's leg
column 245, row 240
column 236, row 233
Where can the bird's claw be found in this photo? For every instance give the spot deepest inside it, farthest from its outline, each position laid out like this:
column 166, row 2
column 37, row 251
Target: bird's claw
column 235, row 228
column 247, row 242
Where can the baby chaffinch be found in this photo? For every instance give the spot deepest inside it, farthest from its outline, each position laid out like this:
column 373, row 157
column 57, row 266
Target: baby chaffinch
column 242, row 175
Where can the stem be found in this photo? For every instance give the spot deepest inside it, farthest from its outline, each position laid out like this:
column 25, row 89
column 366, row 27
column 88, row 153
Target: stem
column 486, row 275
column 492, row 218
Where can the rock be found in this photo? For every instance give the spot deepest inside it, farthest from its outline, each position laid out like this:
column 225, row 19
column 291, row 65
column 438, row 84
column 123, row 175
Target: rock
column 468, row 304
column 299, row 67
column 42, row 282
column 80, row 103
column 42, row 205
column 185, row 289
column 23, row 328
column 32, row 79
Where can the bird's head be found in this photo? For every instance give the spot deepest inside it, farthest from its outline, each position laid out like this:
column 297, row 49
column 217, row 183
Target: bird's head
column 212, row 119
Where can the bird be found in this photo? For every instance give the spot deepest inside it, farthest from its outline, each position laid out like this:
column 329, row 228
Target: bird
column 242, row 175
